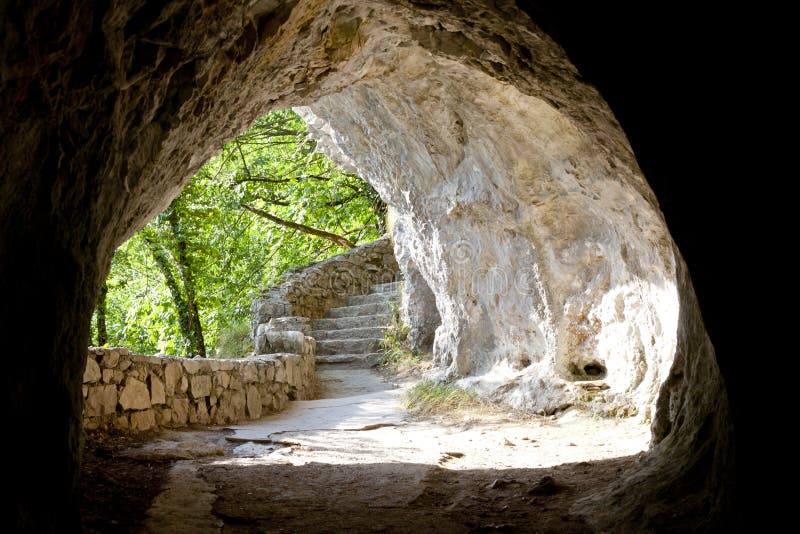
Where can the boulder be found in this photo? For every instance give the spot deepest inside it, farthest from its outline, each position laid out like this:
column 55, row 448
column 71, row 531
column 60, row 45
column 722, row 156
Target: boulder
column 202, row 416
column 193, row 366
column 121, row 422
column 180, row 411
column 222, row 379
column 248, row 373
column 238, row 404
column 110, row 358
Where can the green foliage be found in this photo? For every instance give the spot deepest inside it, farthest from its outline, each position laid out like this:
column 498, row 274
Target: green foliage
column 234, row 341
column 398, row 359
column 429, row 398
column 396, row 355
column 208, row 251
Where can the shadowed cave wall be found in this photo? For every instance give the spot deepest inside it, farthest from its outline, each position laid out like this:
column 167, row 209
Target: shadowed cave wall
column 107, row 112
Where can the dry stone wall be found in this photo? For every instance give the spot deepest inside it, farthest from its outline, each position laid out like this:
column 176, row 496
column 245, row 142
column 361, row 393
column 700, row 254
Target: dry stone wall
column 311, row 292
column 136, row 393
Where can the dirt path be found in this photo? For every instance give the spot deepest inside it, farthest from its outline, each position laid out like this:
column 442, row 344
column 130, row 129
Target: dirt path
column 357, row 461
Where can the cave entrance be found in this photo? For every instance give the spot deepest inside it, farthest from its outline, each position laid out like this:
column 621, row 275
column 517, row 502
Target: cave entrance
column 469, row 120
column 355, row 425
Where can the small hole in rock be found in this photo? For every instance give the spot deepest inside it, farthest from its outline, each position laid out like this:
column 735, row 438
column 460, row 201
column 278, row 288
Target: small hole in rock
column 594, row 370
column 587, row 371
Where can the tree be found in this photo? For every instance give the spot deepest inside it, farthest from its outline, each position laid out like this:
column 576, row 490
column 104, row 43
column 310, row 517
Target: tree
column 168, row 243
column 275, row 167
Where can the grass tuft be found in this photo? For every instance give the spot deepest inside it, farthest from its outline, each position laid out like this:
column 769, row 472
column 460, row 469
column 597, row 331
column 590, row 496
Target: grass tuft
column 440, row 398
column 397, row 357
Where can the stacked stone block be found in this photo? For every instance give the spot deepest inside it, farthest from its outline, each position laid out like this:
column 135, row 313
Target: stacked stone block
column 136, row 393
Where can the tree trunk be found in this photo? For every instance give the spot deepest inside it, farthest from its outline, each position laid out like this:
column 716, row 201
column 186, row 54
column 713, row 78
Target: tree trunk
column 102, row 331
column 197, row 341
column 162, row 259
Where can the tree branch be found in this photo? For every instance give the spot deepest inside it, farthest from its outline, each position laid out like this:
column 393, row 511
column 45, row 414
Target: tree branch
column 345, row 200
column 274, row 201
column 263, row 179
column 339, row 240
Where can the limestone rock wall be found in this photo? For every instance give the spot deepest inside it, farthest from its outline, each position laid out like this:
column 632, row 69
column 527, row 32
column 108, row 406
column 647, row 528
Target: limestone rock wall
column 418, row 303
column 550, row 262
column 311, row 291
column 136, row 393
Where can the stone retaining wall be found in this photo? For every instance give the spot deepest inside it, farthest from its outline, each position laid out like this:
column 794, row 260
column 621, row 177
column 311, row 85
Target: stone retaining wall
column 312, row 291
column 136, row 393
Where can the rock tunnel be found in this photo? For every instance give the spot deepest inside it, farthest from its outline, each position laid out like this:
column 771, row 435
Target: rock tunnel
column 521, row 206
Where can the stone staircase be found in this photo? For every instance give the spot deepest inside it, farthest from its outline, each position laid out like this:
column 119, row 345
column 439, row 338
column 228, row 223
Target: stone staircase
column 353, row 333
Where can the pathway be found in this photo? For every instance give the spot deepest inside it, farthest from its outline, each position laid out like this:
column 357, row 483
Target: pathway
column 357, row 461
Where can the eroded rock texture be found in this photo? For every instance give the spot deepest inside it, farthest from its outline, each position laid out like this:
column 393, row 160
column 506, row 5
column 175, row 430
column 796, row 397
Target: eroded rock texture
column 521, row 204
column 549, row 260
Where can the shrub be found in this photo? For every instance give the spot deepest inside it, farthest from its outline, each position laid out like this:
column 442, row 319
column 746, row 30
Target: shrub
column 235, row 341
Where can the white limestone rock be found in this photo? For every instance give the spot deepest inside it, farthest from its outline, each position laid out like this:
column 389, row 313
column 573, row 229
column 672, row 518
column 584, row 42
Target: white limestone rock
column 101, row 400
column 201, row 386
column 135, row 395
column 547, row 257
column 157, row 391
column 92, row 372
column 253, row 402
column 143, row 421
column 172, row 376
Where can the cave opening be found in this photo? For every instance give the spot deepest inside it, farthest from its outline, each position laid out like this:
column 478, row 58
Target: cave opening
column 372, row 130
column 522, row 166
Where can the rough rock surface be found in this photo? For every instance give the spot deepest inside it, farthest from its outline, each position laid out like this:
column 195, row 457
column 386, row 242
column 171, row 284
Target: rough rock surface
column 418, row 303
column 466, row 117
column 197, row 391
column 547, row 269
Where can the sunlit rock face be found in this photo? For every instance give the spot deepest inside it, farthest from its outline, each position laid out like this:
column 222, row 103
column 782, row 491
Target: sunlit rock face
column 550, row 262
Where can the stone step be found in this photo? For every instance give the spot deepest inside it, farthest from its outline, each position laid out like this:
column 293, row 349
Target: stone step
column 367, row 359
column 386, row 288
column 373, row 298
column 364, row 321
column 359, row 310
column 350, row 333
column 349, row 346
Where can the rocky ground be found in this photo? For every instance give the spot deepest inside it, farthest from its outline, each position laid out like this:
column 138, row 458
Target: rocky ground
column 357, row 461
